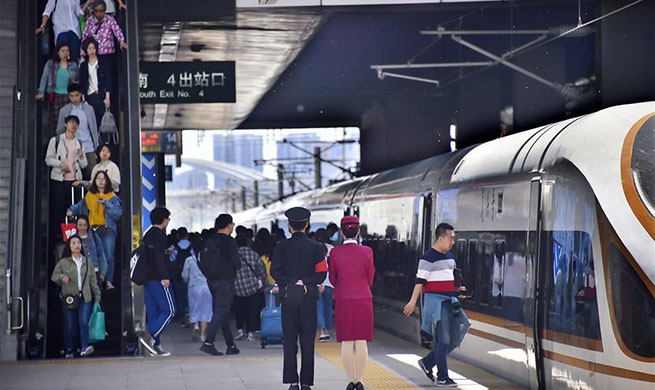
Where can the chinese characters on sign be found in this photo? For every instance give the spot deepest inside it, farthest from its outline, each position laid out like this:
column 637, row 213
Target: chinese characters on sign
column 187, row 82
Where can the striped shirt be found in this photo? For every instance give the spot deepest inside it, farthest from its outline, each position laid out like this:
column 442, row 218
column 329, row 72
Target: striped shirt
column 436, row 271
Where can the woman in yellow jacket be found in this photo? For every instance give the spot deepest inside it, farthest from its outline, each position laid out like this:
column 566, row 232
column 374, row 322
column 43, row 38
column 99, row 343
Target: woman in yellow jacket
column 77, row 278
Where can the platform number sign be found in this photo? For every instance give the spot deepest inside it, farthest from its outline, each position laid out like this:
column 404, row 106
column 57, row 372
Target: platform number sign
column 187, row 82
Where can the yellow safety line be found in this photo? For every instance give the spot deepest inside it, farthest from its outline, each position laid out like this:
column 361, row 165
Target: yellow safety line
column 376, row 377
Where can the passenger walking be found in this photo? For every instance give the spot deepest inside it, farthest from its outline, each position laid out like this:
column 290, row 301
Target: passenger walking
column 219, row 261
column 325, row 293
column 87, row 130
column 67, row 159
column 95, row 79
column 200, row 298
column 157, row 293
column 436, row 279
column 181, row 250
column 351, row 273
column 75, row 274
column 93, row 247
column 58, row 73
column 249, row 281
column 299, row 265
column 65, row 23
column 104, row 210
column 103, row 152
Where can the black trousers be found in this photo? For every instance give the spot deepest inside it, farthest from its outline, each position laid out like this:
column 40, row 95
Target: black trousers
column 246, row 312
column 299, row 321
column 222, row 296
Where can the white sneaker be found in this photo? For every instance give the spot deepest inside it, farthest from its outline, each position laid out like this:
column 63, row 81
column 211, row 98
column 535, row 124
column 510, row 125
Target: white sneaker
column 240, row 335
column 87, row 351
column 250, row 337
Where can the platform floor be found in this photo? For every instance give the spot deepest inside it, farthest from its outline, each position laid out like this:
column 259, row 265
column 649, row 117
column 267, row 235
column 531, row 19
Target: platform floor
column 392, row 365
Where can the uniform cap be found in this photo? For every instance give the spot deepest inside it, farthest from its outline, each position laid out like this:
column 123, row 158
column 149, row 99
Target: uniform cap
column 349, row 220
column 298, row 214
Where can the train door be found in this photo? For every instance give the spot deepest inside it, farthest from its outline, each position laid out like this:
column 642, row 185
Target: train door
column 532, row 290
column 425, row 240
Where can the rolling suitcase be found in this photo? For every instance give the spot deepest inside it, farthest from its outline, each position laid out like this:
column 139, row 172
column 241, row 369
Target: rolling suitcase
column 271, row 323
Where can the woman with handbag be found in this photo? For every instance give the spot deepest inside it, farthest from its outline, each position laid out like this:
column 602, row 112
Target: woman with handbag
column 58, row 73
column 104, row 210
column 76, row 276
column 93, row 248
column 95, row 79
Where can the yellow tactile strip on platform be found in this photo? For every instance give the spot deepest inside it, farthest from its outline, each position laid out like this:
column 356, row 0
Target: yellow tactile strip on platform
column 376, row 377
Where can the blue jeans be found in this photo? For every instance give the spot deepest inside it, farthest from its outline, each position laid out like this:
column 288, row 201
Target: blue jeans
column 81, row 316
column 73, row 42
column 324, row 308
column 108, row 239
column 439, row 355
column 160, row 307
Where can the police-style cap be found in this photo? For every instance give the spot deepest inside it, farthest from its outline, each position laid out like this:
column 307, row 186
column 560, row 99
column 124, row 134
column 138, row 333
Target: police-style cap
column 349, row 220
column 298, row 214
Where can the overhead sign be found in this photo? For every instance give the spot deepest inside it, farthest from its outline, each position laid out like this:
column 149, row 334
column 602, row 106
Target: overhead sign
column 187, row 82
column 186, row 11
column 167, row 142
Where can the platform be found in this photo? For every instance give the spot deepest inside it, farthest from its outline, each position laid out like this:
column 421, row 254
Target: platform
column 392, row 365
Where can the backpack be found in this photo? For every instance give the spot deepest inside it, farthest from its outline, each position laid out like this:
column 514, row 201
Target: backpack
column 207, row 259
column 108, row 126
column 140, row 264
column 178, row 264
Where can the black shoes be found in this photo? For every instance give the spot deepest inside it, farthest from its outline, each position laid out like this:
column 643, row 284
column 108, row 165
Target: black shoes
column 446, row 383
column 351, row 386
column 294, row 387
column 148, row 344
column 305, row 387
column 232, row 350
column 210, row 349
column 428, row 373
column 359, row 386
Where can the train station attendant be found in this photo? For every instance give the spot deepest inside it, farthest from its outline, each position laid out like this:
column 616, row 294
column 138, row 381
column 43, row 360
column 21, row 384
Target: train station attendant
column 299, row 266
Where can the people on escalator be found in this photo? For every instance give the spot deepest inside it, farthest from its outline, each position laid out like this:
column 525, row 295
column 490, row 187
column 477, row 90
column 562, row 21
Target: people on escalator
column 111, row 6
column 65, row 23
column 93, row 247
column 104, row 28
column 95, row 79
column 58, row 73
column 158, row 294
column 66, row 157
column 351, row 272
column 104, row 210
column 103, row 152
column 87, row 130
column 75, row 274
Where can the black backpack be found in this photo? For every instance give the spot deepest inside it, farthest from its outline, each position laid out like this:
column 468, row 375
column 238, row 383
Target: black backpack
column 180, row 259
column 208, row 259
column 140, row 265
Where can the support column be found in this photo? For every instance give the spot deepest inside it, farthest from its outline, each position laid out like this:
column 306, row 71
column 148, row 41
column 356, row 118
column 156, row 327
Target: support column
column 317, row 167
column 256, row 191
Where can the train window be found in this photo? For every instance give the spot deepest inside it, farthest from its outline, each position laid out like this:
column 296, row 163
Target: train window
column 634, row 306
column 471, row 276
column 571, row 285
column 497, row 289
column 643, row 164
column 461, row 260
column 485, row 273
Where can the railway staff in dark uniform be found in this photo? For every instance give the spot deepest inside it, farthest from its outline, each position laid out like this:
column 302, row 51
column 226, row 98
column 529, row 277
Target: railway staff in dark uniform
column 298, row 266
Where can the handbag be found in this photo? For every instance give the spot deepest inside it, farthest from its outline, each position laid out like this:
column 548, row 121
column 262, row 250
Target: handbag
column 96, row 324
column 72, row 301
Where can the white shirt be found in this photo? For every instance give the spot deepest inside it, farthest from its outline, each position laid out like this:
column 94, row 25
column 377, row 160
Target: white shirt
column 78, row 263
column 93, row 77
column 83, row 132
column 65, row 16
column 111, row 7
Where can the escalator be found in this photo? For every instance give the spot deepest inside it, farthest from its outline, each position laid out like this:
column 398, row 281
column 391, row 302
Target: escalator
column 41, row 337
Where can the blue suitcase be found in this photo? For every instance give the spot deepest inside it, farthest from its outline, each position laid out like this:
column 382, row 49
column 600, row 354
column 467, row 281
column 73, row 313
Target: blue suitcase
column 271, row 324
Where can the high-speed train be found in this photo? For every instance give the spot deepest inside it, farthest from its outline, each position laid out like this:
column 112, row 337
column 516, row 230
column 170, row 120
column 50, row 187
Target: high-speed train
column 555, row 237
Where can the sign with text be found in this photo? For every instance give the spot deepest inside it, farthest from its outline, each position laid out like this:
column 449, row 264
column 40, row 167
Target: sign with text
column 187, row 82
column 160, row 142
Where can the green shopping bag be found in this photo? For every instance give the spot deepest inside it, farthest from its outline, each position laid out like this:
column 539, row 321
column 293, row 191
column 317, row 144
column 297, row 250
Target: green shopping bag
column 96, row 324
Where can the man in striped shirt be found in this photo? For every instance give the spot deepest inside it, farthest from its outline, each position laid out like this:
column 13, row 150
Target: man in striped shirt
column 436, row 275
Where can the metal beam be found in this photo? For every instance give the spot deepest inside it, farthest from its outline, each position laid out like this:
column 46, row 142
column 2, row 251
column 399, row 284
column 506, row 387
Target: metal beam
column 485, row 32
column 382, row 75
column 432, row 65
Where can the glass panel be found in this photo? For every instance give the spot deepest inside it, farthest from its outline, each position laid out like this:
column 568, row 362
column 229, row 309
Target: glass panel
column 643, row 164
column 634, row 306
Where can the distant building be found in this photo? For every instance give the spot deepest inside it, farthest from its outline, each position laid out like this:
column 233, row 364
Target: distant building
column 239, row 149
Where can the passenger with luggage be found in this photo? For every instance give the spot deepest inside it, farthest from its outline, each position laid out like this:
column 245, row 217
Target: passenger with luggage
column 75, row 274
column 325, row 293
column 443, row 318
column 219, row 262
column 351, row 273
column 299, row 266
column 249, row 281
column 157, row 292
column 104, row 210
column 93, row 248
column 200, row 298
column 67, row 159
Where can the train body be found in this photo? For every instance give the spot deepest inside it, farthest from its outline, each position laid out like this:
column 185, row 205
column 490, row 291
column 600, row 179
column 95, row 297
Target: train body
column 555, row 237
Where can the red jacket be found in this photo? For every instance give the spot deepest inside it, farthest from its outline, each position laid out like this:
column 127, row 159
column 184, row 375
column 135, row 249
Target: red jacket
column 351, row 271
